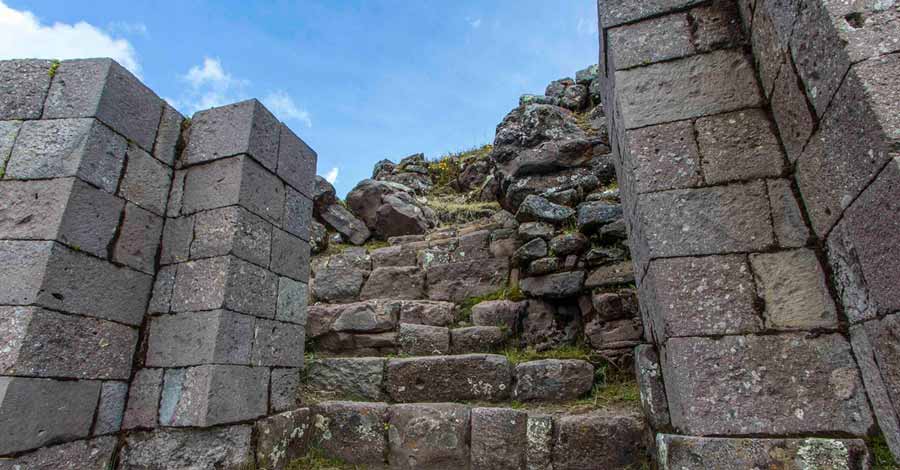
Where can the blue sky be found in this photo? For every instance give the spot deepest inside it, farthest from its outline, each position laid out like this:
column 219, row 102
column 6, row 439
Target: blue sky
column 357, row 80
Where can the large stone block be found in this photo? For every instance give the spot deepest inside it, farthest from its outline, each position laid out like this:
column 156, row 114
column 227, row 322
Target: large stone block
column 146, row 181
column 483, row 377
column 346, row 378
column 111, row 407
column 401, row 283
column 599, row 440
column 456, row 282
column 788, row 454
column 787, row 220
column 428, row 312
column 296, row 162
column 68, row 147
column 282, row 438
column 648, row 371
column 553, row 380
column 8, row 132
column 169, row 134
column 429, row 436
column 478, row 339
column 213, row 394
column 138, row 240
column 615, row 12
column 293, row 299
column 284, row 390
column 554, row 286
column 290, row 256
column 163, row 286
column 41, row 343
column 67, row 210
column 503, row 313
column 539, row 445
column 791, row 112
column 277, row 344
column 195, row 338
column 234, row 181
column 142, row 410
column 352, row 432
column 103, row 89
column 423, row 340
column 769, row 47
column 224, row 448
column 785, row 384
column 89, row 454
column 739, row 146
column 706, row 221
column 499, row 438
column 686, row 88
column 298, row 216
column 24, row 88
column 225, row 282
column 230, row 230
column 241, row 128
column 794, row 288
column 665, row 157
column 37, row 412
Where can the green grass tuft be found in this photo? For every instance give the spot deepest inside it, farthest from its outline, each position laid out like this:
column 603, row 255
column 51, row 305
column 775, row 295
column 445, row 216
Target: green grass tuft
column 54, row 66
column 315, row 459
column 516, row 355
column 882, row 459
column 507, row 293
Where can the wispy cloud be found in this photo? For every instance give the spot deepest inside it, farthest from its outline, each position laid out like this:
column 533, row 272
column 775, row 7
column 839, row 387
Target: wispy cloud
column 280, row 103
column 209, row 85
column 22, row 35
column 332, row 175
column 475, row 23
column 128, row 29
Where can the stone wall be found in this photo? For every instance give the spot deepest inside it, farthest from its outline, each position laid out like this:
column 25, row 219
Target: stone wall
column 756, row 147
column 153, row 273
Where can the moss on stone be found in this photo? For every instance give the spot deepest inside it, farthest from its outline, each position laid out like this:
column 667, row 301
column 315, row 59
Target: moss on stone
column 882, row 459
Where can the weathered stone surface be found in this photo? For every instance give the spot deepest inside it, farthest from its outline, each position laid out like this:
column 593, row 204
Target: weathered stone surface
column 352, row 432
column 138, row 240
column 786, row 384
column 499, row 438
column 769, row 47
column 111, row 407
column 706, row 221
column 290, row 256
column 449, row 378
column 648, row 371
column 8, row 132
column 477, row 339
column 345, row 223
column 685, row 88
column 555, row 286
column 318, row 237
column 616, row 334
column 338, row 284
column 427, row 312
column 360, row 317
column 231, row 230
column 793, row 286
column 296, row 162
column 654, row 40
column 665, row 157
column 293, row 298
column 530, row 251
column 615, row 12
column 297, row 213
column 41, row 343
column 612, row 275
column 553, row 380
column 277, row 344
column 596, row 214
column 241, row 128
column 539, row 445
column 282, row 438
column 37, row 412
column 787, row 220
column 347, row 378
column 791, row 111
column 531, row 230
column 91, row 454
column 234, row 181
column 213, row 394
column 162, row 290
column 544, row 327
column 543, row 266
column 739, row 146
column 535, row 208
column 712, row 295
column 146, row 182
column 284, row 390
column 502, row 313
column 143, row 400
column 25, row 85
column 406, row 283
column 569, row 244
column 423, row 340
column 876, row 354
column 68, row 147
column 388, row 209
column 225, row 282
column 605, row 439
column 429, row 436
column 168, row 136
column 459, row 281
column 789, row 454
column 227, row 448
column 393, row 256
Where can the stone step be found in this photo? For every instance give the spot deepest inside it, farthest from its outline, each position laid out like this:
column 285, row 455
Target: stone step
column 455, row 378
column 457, row 436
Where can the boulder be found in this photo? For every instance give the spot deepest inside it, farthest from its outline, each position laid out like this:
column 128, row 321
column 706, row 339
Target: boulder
column 423, row 340
column 345, row 223
column 596, row 214
column 477, row 339
column 543, row 328
column 514, row 190
column 576, row 98
column 553, row 380
column 527, row 99
column 323, row 194
column 536, row 208
column 389, row 209
column 554, row 286
column 587, row 75
column 569, row 244
column 557, row 88
column 531, row 230
column 530, row 251
column 502, row 313
column 542, row 266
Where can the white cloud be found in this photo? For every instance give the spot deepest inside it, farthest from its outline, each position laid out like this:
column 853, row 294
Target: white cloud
column 22, row 35
column 210, row 86
column 332, row 175
column 280, row 103
column 475, row 23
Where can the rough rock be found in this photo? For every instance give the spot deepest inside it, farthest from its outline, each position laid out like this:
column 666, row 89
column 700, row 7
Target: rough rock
column 648, row 371
column 449, row 378
column 477, row 339
column 530, row 251
column 502, row 313
column 228, row 448
column 351, row 432
column 536, row 208
column 345, row 378
column 429, row 436
column 532, row 230
column 282, row 438
column 542, row 266
column 460, row 281
column 553, row 380
column 594, row 215
column 554, row 286
column 568, row 244
column 93, row 454
column 499, row 438
column 388, row 209
column 423, row 340
column 606, row 439
column 406, row 283
column 341, row 220
column 318, row 237
column 543, row 328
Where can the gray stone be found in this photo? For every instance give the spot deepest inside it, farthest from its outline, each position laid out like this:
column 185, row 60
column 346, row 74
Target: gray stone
column 360, row 317
column 338, row 284
column 769, row 47
column 553, row 380
column 37, row 412
column 555, row 286
column 615, row 334
column 89, row 454
column 68, row 147
column 163, row 286
column 293, row 298
column 795, row 291
column 230, row 230
column 539, row 445
column 616, row 12
column 237, row 180
column 792, row 112
column 530, row 251
column 873, row 347
column 25, row 85
column 596, row 214
column 530, row 230
column 498, row 438
column 612, row 275
column 449, row 378
column 569, row 244
column 654, row 40
column 138, row 240
column 347, row 378
column 601, row 439
column 427, row 312
column 477, row 339
column 176, row 194
column 284, row 390
column 393, row 256
column 8, row 132
column 786, row 384
column 501, row 313
column 401, row 283
column 543, row 266
column 344, row 222
column 423, row 340
column 457, row 282
column 788, row 454
column 194, row 338
column 665, row 157
column 696, row 86
column 318, row 237
column 277, row 344
column 111, row 407
column 290, row 256
column 787, row 220
column 225, row 448
column 41, row 343
column 429, row 436
column 354, row 433
column 241, row 128
column 103, row 89
column 297, row 213
column 648, row 372
column 282, row 439
column 213, row 394
column 535, row 208
column 225, row 282
column 178, row 238
column 739, row 146
column 544, row 327
column 169, row 134
column 296, row 162
column 146, row 182
column 143, row 400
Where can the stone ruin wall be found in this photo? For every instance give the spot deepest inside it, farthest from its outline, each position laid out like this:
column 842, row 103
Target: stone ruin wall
column 153, row 274
column 757, row 151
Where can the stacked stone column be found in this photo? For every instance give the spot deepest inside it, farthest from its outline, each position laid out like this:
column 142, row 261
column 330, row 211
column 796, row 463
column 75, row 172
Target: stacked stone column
column 735, row 287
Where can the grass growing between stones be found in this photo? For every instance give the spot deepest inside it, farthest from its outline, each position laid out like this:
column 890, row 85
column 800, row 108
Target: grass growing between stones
column 315, row 459
column 517, row 355
column 882, row 459
column 338, row 248
column 453, row 210
column 507, row 293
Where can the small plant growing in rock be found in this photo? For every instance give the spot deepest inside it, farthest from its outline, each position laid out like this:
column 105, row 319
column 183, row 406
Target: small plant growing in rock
column 54, row 66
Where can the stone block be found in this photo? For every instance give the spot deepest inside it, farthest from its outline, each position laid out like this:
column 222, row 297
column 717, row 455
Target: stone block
column 225, row 448
column 402, row 283
column 654, row 40
column 648, row 371
column 785, row 384
column 429, row 436
column 169, row 134
column 146, row 181
column 553, row 380
column 139, row 239
column 347, row 378
column 478, row 339
column 601, row 439
column 278, row 344
column 610, row 276
column 176, row 194
column 352, row 432
column 89, row 454
column 791, row 112
column 213, row 394
column 293, row 298
column 282, row 439
column 37, row 412
column 482, row 377
column 8, row 132
column 739, row 146
column 393, row 256
column 195, row 338
column 68, row 147
column 499, row 438
column 231, row 230
column 284, row 390
column 769, row 47
column 427, row 312
column 879, row 372
column 296, row 162
column 794, row 288
column 423, row 340
column 297, row 213
column 338, row 284
column 665, row 157
column 143, row 400
column 502, row 313
column 360, row 317
column 163, row 286
column 696, row 86
column 225, row 282
column 24, row 88
column 67, row 210
column 788, row 454
column 290, row 256
column 111, row 407
column 41, row 343
column 234, row 181
column 539, row 442
column 787, row 220
column 103, row 89
column 554, row 286
column 178, row 238
column 240, row 128
column 706, row 221
column 456, row 282
column 713, row 295
column 616, row 12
